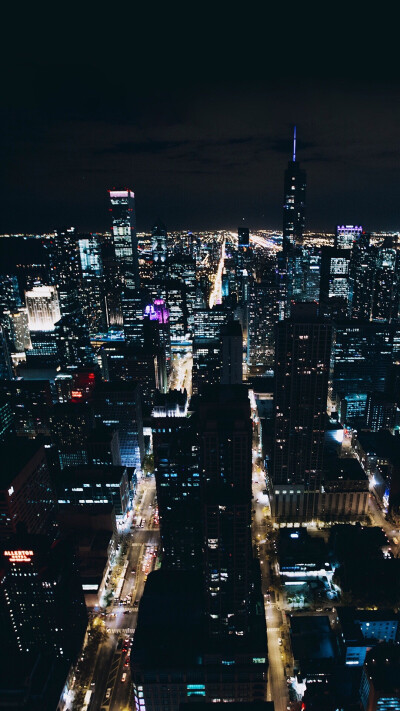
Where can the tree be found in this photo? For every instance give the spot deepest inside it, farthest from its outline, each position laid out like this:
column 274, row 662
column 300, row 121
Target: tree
column 148, row 464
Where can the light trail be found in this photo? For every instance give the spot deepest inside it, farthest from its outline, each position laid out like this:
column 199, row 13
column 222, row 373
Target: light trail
column 216, row 291
column 264, row 242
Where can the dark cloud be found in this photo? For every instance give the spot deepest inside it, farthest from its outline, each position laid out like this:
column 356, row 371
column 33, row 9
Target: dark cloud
column 198, row 149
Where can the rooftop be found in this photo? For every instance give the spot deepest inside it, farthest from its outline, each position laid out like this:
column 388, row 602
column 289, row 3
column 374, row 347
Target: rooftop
column 383, row 668
column 348, row 469
column 313, row 643
column 94, row 473
column 381, row 444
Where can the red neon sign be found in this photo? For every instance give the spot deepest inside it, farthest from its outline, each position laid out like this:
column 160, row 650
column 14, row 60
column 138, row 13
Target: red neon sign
column 19, row 556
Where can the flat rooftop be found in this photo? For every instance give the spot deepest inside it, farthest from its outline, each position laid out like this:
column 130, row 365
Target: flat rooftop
column 92, row 473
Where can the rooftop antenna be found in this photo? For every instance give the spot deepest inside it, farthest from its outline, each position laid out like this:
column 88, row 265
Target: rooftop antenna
column 294, row 145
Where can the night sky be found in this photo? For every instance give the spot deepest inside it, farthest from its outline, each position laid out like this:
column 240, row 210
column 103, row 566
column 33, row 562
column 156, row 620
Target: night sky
column 200, row 149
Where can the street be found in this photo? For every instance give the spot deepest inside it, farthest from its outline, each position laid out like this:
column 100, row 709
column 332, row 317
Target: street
column 262, row 539
column 110, row 692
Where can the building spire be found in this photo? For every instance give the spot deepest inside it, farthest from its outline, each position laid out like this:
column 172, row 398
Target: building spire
column 294, row 145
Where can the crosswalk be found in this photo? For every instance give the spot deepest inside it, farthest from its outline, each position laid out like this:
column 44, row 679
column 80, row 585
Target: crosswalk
column 112, row 677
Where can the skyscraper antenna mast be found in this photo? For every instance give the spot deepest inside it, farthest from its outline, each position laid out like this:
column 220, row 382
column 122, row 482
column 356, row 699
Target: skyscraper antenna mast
column 294, row 145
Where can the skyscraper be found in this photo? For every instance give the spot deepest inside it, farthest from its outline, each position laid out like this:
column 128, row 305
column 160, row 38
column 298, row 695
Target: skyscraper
column 159, row 248
column 302, row 364
column 293, row 227
column 41, row 600
column 64, row 266
column 362, row 277
column 347, row 235
column 215, row 613
column 43, row 308
column 294, row 201
column 335, row 291
column 232, row 353
column 124, row 234
column 225, row 450
column 6, row 372
column 118, row 404
column 20, row 329
column 385, row 303
column 26, row 492
column 176, row 464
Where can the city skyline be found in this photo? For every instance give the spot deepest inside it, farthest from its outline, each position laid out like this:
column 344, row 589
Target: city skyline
column 199, row 379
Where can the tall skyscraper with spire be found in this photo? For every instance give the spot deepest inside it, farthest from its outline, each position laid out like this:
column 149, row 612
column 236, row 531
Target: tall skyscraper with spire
column 294, row 201
column 293, row 227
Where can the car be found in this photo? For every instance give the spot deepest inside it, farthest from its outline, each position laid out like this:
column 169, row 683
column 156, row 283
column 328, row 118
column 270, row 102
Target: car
column 108, row 693
column 319, row 609
column 279, row 641
column 123, row 677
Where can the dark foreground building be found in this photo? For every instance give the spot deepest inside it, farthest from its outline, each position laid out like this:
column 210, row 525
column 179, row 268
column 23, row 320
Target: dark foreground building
column 201, row 633
column 174, row 659
column 42, row 619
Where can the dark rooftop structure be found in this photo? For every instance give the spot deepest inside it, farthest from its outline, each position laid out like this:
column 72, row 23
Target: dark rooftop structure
column 345, row 468
column 171, row 605
column 172, row 639
column 89, row 472
column 382, row 444
column 297, row 550
column 313, row 643
column 381, row 677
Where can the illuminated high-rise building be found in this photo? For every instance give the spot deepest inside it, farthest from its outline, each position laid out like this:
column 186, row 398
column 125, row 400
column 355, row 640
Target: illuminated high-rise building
column 176, row 464
column 225, row 450
column 263, row 313
column 294, row 201
column 6, row 372
column 335, row 285
column 42, row 607
column 90, row 256
column 362, row 277
column 385, row 302
column 347, row 236
column 133, row 302
column 43, row 308
column 118, row 405
column 124, row 235
column 64, row 266
column 159, row 248
column 20, row 329
column 302, row 368
column 26, row 492
column 293, row 228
